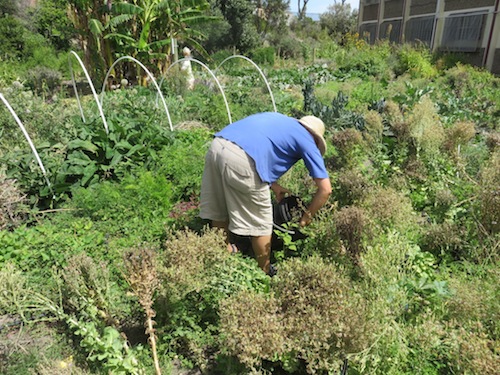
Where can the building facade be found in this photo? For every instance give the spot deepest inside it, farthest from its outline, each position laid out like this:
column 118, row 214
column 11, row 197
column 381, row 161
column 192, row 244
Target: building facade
column 471, row 27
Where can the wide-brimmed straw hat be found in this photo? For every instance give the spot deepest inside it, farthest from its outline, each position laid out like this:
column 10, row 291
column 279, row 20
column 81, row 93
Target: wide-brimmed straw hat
column 317, row 128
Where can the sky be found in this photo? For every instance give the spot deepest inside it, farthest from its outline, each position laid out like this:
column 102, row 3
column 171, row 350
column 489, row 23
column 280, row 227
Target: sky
column 321, row 6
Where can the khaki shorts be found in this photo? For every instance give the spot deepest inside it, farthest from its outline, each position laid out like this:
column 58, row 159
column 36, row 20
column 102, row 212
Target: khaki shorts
column 232, row 191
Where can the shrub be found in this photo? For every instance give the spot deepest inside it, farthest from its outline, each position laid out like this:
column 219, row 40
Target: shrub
column 182, row 162
column 470, row 350
column 139, row 205
column 12, row 41
column 493, row 141
column 444, row 240
column 425, row 127
column 392, row 112
column 264, row 55
column 475, row 299
column 349, row 145
column 251, row 328
column 287, row 47
column 350, row 187
column 188, row 256
column 374, row 61
column 12, row 204
column 351, row 227
column 469, row 93
column 43, row 81
column 387, row 208
column 459, row 134
column 89, row 291
column 488, row 202
column 323, row 315
column 417, row 62
column 198, row 273
column 374, row 128
column 315, row 319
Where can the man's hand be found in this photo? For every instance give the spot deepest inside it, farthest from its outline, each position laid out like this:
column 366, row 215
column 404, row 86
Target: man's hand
column 306, row 219
column 322, row 194
column 279, row 191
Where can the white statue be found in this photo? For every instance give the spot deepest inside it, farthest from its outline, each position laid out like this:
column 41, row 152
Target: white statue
column 186, row 68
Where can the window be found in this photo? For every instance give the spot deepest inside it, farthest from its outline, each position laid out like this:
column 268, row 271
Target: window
column 420, row 29
column 368, row 31
column 390, row 30
column 463, row 33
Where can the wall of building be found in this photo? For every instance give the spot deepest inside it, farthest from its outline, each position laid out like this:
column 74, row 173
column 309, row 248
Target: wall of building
column 496, row 62
column 468, row 27
column 453, row 5
column 370, row 12
column 418, row 7
column 393, row 8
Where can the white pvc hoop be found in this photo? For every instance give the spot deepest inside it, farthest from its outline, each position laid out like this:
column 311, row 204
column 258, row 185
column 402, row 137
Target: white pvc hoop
column 149, row 75
column 213, row 76
column 260, row 71
column 91, row 87
column 28, row 138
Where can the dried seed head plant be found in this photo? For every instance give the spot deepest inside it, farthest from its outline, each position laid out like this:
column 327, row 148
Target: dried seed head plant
column 141, row 275
column 11, row 203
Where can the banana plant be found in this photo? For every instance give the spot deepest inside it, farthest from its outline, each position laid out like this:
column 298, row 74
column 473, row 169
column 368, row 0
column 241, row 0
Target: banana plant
column 88, row 18
column 147, row 29
column 144, row 29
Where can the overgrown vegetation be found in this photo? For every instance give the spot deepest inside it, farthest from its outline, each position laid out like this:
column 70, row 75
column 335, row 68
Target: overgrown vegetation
column 109, row 269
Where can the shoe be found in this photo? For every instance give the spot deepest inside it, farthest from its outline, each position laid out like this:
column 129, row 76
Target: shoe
column 234, row 249
column 272, row 270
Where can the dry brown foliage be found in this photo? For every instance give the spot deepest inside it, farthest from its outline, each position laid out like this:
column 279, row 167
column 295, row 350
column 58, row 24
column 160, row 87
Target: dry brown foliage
column 352, row 185
column 347, row 139
column 459, row 134
column 392, row 112
column 470, row 350
column 444, row 198
column 489, row 195
column 347, row 142
column 87, row 286
column 416, row 169
column 187, row 256
column 493, row 141
column 388, row 208
column 11, row 203
column 476, row 299
column 465, row 349
column 425, row 128
column 251, row 325
column 324, row 318
column 374, row 128
column 142, row 276
column 315, row 316
column 351, row 226
column 443, row 239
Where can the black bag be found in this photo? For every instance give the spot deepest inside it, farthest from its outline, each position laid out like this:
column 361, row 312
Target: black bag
column 289, row 209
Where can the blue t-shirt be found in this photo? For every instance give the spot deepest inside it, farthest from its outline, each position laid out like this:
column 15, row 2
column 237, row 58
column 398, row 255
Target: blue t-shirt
column 275, row 142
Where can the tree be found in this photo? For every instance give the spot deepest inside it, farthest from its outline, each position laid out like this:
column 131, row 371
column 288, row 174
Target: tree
column 302, row 9
column 271, row 15
column 339, row 20
column 239, row 15
column 51, row 20
column 12, row 40
column 8, row 7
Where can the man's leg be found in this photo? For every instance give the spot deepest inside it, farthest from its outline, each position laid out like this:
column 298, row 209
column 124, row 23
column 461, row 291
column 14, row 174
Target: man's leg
column 223, row 225
column 261, row 246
